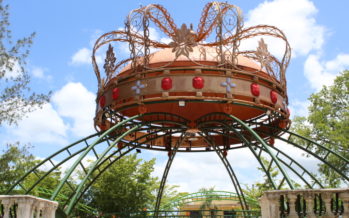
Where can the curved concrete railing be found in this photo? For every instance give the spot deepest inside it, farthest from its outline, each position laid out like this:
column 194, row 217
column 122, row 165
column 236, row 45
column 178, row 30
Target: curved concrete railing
column 27, row 206
column 310, row 203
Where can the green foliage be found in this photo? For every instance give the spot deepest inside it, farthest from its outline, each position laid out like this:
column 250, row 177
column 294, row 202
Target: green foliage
column 127, row 186
column 16, row 98
column 14, row 162
column 170, row 194
column 328, row 124
column 207, row 204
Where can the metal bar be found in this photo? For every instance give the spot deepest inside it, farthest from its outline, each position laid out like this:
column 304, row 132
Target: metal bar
column 260, row 140
column 57, row 165
column 305, row 171
column 271, row 162
column 52, row 163
column 311, row 141
column 78, row 189
column 45, row 160
column 114, row 160
column 119, row 125
column 243, row 139
column 72, row 168
column 166, row 171
column 231, row 173
column 313, row 154
column 281, row 183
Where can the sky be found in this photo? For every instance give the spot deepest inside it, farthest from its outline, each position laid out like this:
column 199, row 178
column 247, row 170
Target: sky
column 60, row 62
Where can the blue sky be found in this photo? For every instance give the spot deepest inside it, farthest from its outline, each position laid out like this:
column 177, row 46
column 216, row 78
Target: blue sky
column 66, row 30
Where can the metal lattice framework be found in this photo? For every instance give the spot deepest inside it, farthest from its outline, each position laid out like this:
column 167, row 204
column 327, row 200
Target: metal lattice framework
column 222, row 18
column 113, row 152
column 208, row 195
column 134, row 112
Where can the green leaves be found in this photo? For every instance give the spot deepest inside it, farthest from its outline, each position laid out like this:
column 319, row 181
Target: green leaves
column 127, row 186
column 16, row 98
column 328, row 124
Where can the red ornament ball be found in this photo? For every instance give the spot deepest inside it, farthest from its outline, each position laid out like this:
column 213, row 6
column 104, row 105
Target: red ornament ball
column 273, row 96
column 255, row 89
column 102, row 101
column 166, row 83
column 115, row 93
column 271, row 141
column 198, row 82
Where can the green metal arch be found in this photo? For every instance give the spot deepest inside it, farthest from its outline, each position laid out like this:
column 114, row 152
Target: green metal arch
column 253, row 141
column 231, row 173
column 312, row 153
column 289, row 165
column 257, row 138
column 100, row 172
column 79, row 189
column 212, row 195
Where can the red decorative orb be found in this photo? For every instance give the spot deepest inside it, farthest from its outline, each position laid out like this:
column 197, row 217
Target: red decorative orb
column 271, row 141
column 198, row 82
column 273, row 96
column 142, row 109
column 115, row 93
column 255, row 89
column 102, row 101
column 166, row 83
column 120, row 145
column 103, row 127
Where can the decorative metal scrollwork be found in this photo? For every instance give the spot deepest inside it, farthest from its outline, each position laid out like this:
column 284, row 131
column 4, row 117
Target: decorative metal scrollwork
column 224, row 18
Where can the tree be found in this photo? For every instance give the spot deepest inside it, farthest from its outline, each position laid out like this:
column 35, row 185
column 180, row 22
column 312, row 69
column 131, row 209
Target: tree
column 14, row 162
column 170, row 195
column 127, row 186
column 16, row 98
column 328, row 124
column 207, row 203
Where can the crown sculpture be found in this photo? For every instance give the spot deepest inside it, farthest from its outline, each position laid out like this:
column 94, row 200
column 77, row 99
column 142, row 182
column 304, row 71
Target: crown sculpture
column 201, row 92
column 191, row 78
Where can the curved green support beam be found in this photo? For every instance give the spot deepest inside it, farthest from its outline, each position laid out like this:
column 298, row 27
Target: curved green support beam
column 289, row 165
column 310, row 141
column 101, row 171
column 247, row 142
column 323, row 160
column 78, row 190
column 260, row 140
column 231, row 173
column 166, row 171
column 120, row 125
column 76, row 163
column 212, row 195
column 47, row 160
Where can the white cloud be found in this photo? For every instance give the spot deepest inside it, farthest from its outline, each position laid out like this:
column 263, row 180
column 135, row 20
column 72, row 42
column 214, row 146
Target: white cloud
column 70, row 113
column 74, row 101
column 83, row 56
column 38, row 72
column 299, row 108
column 192, row 171
column 321, row 73
column 42, row 126
column 296, row 19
